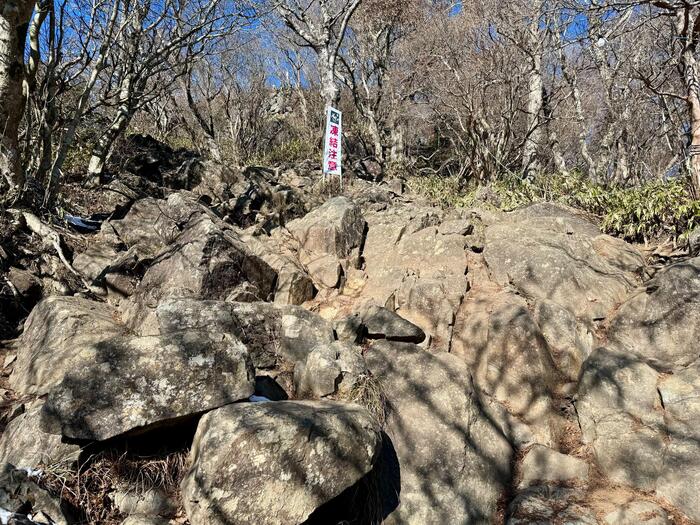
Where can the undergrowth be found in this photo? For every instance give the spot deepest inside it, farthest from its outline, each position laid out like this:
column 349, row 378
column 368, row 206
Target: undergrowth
column 367, row 392
column 653, row 210
column 88, row 488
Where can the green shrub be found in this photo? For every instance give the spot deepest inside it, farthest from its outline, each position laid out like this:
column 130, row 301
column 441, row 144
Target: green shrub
column 295, row 150
column 444, row 191
column 641, row 213
column 653, row 210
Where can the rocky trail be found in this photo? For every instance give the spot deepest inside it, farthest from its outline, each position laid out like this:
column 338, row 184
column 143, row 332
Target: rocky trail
column 248, row 350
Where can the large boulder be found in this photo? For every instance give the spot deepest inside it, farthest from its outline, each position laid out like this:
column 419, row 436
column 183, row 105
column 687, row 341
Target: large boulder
column 117, row 254
column 642, row 425
column 548, row 252
column 454, row 463
column 149, row 224
column 54, row 330
column 204, row 262
column 24, row 444
column 273, row 333
column 126, row 383
column 329, row 237
column 501, row 344
column 294, row 285
column 661, row 323
column 329, row 369
column 275, row 463
column 277, row 336
column 415, row 270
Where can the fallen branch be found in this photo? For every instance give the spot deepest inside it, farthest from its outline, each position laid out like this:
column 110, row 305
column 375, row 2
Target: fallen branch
column 51, row 237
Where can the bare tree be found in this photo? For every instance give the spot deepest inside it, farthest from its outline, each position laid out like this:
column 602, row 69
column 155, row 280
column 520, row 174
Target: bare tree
column 156, row 37
column 320, row 25
column 368, row 64
column 685, row 25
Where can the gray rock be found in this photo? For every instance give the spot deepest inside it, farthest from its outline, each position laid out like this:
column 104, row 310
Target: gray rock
column 454, row 464
column 432, row 304
column 149, row 224
column 554, row 216
column 24, row 444
column 55, row 327
column 500, row 342
column 641, row 425
column 694, row 242
column 326, row 270
column 129, row 382
column 275, row 463
column 203, row 262
column 349, row 328
column 244, row 293
column 544, row 465
column 9, row 359
column 327, row 235
column 662, row 322
column 328, row 369
column 638, row 512
column 416, row 271
column 273, row 333
column 456, row 227
column 319, row 375
column 294, row 285
column 19, row 493
column 546, row 252
column 145, row 520
column 151, row 502
column 569, row 342
column 381, row 323
column 619, row 412
column 546, row 504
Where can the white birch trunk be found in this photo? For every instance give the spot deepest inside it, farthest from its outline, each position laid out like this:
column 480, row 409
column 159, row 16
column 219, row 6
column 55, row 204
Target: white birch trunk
column 14, row 20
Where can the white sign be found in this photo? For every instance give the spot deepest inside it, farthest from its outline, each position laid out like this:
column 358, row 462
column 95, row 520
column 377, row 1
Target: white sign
column 332, row 149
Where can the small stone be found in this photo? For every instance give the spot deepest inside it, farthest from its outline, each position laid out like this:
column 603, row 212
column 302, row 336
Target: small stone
column 349, row 328
column 152, row 502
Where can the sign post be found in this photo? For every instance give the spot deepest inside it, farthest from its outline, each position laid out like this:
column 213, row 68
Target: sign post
column 332, row 144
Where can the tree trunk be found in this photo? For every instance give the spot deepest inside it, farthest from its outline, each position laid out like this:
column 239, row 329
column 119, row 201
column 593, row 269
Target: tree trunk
column 535, row 93
column 377, row 142
column 14, row 20
column 102, row 149
column 694, row 108
column 572, row 79
column 330, row 92
column 692, row 86
column 397, row 144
